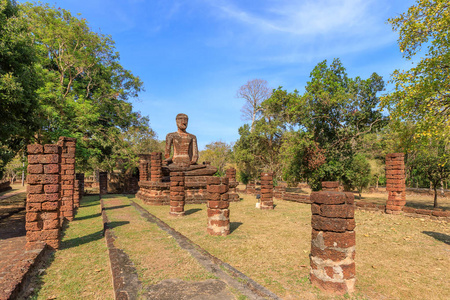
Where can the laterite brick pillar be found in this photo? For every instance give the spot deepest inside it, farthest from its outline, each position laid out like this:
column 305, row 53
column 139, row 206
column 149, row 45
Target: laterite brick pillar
column 103, row 183
column 266, row 190
column 395, row 182
column 144, row 164
column 333, row 241
column 155, row 167
column 231, row 175
column 76, row 194
column 176, row 194
column 80, row 178
column 67, row 176
column 43, row 198
column 218, row 204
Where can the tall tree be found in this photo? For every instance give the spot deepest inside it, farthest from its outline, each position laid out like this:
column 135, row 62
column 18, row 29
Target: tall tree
column 422, row 94
column 18, row 82
column 86, row 92
column 254, row 92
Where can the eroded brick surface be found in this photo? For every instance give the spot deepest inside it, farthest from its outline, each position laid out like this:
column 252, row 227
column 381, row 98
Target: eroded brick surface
column 333, row 240
column 218, row 206
column 395, row 182
column 44, row 197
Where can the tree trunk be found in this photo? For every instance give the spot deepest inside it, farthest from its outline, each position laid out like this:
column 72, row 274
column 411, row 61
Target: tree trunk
column 435, row 205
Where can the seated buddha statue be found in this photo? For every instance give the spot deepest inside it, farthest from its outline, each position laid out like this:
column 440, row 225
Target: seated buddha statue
column 185, row 151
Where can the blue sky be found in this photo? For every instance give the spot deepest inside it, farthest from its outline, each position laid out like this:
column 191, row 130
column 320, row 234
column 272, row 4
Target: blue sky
column 193, row 55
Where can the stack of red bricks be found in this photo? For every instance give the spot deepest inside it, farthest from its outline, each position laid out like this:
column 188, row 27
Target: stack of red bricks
column 43, row 199
column 395, row 182
column 103, row 182
column 176, row 193
column 266, row 190
column 67, row 176
column 231, row 175
column 155, row 166
column 143, row 167
column 218, row 204
column 333, row 241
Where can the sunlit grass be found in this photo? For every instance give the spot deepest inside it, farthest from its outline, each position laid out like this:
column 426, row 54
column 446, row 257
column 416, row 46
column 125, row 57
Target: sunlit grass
column 80, row 269
column 397, row 257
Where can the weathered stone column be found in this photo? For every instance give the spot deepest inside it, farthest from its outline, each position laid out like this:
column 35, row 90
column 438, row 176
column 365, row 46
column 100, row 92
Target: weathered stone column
column 218, row 204
column 103, row 183
column 80, row 178
column 333, row 241
column 266, row 190
column 395, row 182
column 155, row 167
column 143, row 167
column 43, row 199
column 231, row 175
column 67, row 176
column 176, row 193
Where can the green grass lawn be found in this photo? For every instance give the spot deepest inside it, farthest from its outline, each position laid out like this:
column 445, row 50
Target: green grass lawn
column 80, row 269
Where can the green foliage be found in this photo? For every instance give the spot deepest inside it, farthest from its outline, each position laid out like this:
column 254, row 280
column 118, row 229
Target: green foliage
column 431, row 163
column 313, row 136
column 18, row 82
column 421, row 94
column 357, row 175
column 218, row 154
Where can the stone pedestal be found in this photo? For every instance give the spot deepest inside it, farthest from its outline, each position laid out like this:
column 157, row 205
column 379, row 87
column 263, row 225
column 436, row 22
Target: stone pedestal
column 266, row 191
column 43, row 198
column 333, row 241
column 177, row 194
column 67, row 176
column 395, row 182
column 103, row 183
column 218, row 204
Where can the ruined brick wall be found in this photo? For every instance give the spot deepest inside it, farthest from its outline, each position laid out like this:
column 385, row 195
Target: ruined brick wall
column 103, row 182
column 177, row 193
column 333, row 241
column 218, row 206
column 155, row 167
column 395, row 182
column 266, row 190
column 67, row 176
column 43, row 198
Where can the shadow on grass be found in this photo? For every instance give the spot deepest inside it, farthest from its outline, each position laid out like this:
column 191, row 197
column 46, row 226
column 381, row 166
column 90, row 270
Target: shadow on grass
column 442, row 237
column 88, row 217
column 234, row 226
column 117, row 206
column 75, row 242
column 424, row 205
column 191, row 211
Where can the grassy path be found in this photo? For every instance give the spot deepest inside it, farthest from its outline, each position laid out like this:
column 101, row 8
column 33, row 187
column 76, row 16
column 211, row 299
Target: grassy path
column 80, row 269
